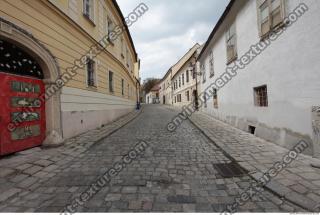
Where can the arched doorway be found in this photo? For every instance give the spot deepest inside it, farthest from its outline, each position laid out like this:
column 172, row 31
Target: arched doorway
column 31, row 65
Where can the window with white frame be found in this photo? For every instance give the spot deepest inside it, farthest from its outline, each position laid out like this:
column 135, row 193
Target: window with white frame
column 270, row 15
column 231, row 42
column 91, row 74
column 88, row 9
column 211, row 65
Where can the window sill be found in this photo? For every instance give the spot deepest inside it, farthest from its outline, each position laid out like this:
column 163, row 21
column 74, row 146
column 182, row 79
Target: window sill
column 89, row 19
column 275, row 29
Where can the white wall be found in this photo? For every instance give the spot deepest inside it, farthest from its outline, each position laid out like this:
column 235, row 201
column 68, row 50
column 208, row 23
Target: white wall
column 289, row 68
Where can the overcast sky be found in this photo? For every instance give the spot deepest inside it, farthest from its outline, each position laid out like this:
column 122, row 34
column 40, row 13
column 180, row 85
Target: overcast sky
column 169, row 29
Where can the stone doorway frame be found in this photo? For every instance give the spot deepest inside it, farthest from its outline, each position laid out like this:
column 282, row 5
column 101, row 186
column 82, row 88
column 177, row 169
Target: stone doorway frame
column 24, row 40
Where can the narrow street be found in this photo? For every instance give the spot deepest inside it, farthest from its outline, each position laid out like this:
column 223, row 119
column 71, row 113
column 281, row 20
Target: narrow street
column 175, row 174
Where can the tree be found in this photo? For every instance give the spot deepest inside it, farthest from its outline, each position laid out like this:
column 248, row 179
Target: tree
column 149, row 83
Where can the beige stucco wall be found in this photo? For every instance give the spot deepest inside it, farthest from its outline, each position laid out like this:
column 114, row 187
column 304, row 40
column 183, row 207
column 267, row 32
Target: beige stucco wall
column 59, row 25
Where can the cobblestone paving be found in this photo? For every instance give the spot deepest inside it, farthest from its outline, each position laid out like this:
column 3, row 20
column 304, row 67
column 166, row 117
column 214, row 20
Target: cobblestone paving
column 299, row 182
column 175, row 174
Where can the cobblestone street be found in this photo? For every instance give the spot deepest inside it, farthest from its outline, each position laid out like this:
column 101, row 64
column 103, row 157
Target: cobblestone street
column 175, row 174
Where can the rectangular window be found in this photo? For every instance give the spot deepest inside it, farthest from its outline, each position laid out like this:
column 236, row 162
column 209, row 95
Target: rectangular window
column 261, row 96
column 122, row 48
column 231, row 41
column 127, row 57
column 205, row 101
column 211, row 65
column 91, row 82
column 187, row 76
column 111, row 82
column 215, row 99
column 88, row 9
column 270, row 15
column 188, row 95
column 110, row 26
column 122, row 86
column 179, row 81
column 182, row 79
column 203, row 72
column 179, row 97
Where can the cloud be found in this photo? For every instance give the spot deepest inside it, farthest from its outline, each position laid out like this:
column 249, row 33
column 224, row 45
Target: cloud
column 169, row 29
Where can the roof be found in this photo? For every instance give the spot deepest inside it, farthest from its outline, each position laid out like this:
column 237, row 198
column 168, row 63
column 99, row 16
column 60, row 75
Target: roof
column 126, row 27
column 215, row 29
column 175, row 68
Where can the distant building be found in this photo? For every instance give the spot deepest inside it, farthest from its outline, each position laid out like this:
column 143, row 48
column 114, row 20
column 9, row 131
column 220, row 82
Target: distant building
column 183, row 80
column 166, row 89
column 153, row 96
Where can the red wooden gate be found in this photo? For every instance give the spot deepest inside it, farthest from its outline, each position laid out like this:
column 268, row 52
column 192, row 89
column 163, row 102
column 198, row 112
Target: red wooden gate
column 20, row 103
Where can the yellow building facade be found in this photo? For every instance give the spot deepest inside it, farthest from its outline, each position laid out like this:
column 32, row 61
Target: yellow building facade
column 57, row 34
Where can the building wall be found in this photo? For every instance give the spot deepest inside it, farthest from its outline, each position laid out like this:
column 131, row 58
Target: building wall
column 166, row 89
column 187, row 86
column 61, row 27
column 289, row 68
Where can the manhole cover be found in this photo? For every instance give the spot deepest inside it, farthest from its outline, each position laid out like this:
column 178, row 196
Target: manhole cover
column 230, row 170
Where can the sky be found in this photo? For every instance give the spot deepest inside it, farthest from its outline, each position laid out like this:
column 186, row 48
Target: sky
column 169, row 29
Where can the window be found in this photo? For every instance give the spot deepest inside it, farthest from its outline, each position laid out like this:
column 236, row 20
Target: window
column 270, row 15
column 175, row 99
column 182, row 79
column 111, row 82
column 215, row 99
column 179, row 98
column 127, row 57
column 179, row 81
column 128, row 91
column 88, row 9
column 122, row 86
column 231, row 44
column 261, row 96
column 187, row 76
column 211, row 65
column 91, row 73
column 205, row 101
column 122, row 48
column 188, row 95
column 203, row 72
column 194, row 74
column 110, row 26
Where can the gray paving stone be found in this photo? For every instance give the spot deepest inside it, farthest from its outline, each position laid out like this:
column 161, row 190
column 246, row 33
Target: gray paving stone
column 8, row 193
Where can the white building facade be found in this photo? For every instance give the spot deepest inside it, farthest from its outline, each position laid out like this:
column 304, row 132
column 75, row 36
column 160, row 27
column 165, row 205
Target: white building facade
column 275, row 94
column 184, row 82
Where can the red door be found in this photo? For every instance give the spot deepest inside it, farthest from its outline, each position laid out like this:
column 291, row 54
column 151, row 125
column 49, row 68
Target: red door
column 20, row 103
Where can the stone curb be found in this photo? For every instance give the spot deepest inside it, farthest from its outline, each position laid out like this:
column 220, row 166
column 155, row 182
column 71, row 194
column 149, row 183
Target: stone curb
column 274, row 187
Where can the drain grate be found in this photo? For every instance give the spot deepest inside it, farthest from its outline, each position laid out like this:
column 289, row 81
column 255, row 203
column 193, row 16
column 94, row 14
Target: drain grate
column 230, row 170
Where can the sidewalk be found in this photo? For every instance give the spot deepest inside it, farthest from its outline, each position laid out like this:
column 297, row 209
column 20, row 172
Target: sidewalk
column 23, row 172
column 298, row 183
